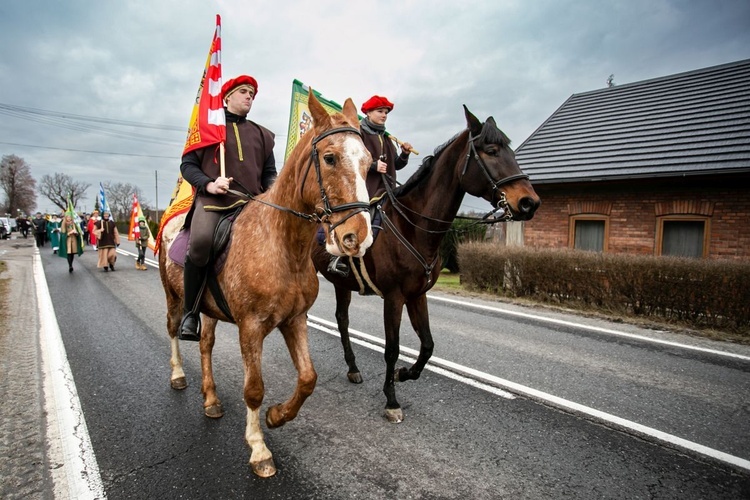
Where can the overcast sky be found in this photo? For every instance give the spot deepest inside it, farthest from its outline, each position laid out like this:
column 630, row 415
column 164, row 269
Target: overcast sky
column 141, row 61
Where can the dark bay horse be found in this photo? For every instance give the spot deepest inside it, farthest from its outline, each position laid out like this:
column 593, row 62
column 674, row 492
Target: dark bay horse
column 403, row 262
column 268, row 278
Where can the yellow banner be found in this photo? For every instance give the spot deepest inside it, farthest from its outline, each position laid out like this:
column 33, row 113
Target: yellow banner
column 300, row 119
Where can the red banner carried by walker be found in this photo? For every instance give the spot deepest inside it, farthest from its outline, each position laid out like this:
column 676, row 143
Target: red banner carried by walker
column 135, row 231
column 207, row 122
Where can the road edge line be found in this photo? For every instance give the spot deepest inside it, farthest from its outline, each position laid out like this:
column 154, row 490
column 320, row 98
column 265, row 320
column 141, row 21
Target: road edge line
column 68, row 438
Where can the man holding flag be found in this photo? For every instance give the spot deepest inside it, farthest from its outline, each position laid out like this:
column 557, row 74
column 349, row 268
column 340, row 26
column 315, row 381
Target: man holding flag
column 242, row 158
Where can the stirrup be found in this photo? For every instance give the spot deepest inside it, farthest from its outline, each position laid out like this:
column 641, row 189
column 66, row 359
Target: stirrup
column 190, row 327
column 339, row 267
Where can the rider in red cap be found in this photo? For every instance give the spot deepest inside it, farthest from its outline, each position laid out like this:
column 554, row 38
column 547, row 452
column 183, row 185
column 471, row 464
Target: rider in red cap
column 250, row 167
column 385, row 160
column 383, row 151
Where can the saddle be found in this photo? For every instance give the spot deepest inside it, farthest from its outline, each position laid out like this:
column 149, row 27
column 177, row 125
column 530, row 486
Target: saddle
column 219, row 249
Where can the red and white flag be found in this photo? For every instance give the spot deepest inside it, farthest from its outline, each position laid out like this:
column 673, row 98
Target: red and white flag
column 207, row 122
column 207, row 126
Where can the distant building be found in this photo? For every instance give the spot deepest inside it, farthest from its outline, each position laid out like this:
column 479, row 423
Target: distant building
column 658, row 167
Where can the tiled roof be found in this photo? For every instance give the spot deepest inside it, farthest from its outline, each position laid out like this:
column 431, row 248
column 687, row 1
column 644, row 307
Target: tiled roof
column 685, row 124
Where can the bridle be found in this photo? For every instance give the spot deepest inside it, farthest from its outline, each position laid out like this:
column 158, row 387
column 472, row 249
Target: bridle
column 488, row 218
column 502, row 201
column 356, row 207
column 323, row 215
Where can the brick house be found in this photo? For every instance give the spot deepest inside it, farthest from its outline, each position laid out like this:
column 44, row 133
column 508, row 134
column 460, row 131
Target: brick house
column 658, row 167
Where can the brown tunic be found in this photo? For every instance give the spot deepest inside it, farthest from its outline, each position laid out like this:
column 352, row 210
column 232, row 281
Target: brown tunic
column 247, row 147
column 381, row 147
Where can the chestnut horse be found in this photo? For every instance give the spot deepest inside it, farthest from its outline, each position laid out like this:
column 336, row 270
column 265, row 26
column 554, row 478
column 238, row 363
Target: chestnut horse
column 404, row 262
column 268, row 278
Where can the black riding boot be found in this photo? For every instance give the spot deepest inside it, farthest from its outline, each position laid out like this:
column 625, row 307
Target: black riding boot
column 338, row 266
column 70, row 262
column 194, row 280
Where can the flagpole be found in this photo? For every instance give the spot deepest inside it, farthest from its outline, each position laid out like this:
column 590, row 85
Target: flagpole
column 221, row 159
column 395, row 139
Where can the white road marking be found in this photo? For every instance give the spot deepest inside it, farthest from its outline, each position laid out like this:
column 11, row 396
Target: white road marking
column 150, row 262
column 592, row 328
column 491, row 383
column 442, row 367
column 67, row 434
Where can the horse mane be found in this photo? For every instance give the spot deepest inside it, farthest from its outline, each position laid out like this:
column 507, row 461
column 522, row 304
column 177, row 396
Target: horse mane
column 424, row 169
column 490, row 133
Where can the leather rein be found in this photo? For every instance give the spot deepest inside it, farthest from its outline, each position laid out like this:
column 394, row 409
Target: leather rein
column 319, row 216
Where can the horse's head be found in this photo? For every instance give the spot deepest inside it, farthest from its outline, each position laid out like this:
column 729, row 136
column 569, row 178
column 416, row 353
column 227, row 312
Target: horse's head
column 340, row 194
column 491, row 171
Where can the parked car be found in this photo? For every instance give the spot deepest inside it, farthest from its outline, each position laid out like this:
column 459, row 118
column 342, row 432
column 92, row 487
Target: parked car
column 5, row 228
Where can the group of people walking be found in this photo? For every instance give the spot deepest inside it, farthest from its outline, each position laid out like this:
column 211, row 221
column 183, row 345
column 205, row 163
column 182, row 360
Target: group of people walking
column 68, row 237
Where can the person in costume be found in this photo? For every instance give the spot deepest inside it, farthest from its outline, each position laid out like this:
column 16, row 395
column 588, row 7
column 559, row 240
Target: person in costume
column 141, row 243
column 85, row 228
column 71, row 240
column 383, row 151
column 53, row 233
column 90, row 227
column 108, row 239
column 385, row 161
column 250, row 167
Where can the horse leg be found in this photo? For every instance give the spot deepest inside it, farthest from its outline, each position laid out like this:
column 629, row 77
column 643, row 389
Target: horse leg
column 251, row 346
column 261, row 459
column 295, row 335
column 392, row 321
column 343, row 299
column 177, row 378
column 420, row 321
column 211, row 403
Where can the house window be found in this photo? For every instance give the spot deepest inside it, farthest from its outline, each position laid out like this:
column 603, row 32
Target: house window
column 589, row 233
column 683, row 237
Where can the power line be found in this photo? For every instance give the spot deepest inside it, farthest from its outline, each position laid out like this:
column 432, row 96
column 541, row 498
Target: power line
column 85, row 150
column 93, row 124
column 70, row 116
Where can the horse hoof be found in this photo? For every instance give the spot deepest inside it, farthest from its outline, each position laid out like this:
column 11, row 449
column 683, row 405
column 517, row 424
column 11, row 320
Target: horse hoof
column 394, row 415
column 264, row 468
column 214, row 411
column 354, row 377
column 179, row 383
column 274, row 417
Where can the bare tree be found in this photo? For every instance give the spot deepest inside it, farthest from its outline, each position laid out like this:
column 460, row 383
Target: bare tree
column 59, row 186
column 120, row 198
column 18, row 185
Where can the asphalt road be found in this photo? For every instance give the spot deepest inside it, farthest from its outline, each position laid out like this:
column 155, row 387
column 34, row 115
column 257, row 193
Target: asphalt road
column 459, row 439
